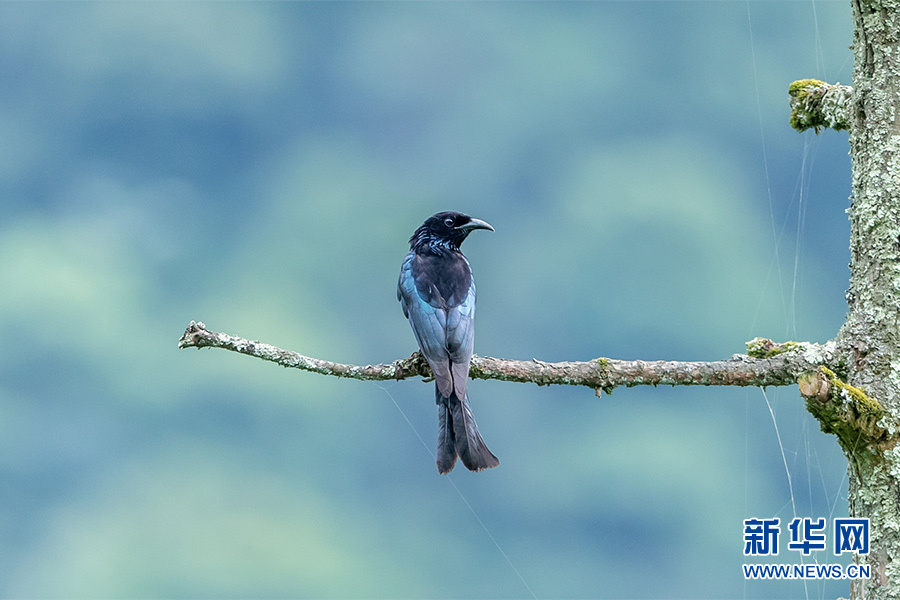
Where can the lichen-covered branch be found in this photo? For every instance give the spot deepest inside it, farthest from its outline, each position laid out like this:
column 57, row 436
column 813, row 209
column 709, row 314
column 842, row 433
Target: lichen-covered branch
column 600, row 374
column 844, row 410
column 816, row 104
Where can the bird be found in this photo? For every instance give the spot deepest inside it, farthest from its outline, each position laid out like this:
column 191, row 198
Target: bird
column 437, row 293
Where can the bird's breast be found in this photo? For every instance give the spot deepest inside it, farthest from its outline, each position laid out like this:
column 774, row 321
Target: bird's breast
column 443, row 281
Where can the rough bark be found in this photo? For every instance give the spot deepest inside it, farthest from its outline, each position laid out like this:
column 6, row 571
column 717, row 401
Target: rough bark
column 869, row 341
column 868, row 344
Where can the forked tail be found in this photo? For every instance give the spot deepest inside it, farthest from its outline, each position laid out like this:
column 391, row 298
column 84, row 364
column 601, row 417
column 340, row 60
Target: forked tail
column 458, row 435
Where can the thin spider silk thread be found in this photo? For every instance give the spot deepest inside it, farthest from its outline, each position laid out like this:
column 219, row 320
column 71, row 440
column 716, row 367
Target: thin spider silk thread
column 462, row 497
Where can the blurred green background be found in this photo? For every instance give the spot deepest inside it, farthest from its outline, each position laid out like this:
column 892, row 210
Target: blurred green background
column 260, row 166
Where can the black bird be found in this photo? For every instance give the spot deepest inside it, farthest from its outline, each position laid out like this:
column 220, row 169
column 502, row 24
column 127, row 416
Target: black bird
column 437, row 292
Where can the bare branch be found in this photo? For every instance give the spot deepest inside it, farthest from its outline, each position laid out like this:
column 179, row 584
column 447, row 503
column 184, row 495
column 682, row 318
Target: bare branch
column 600, row 373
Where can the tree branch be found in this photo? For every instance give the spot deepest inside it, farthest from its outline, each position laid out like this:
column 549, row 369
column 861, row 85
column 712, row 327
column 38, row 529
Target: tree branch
column 816, row 104
column 844, row 410
column 781, row 366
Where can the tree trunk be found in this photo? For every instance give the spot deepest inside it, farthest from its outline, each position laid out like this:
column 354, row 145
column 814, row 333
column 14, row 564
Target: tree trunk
column 869, row 341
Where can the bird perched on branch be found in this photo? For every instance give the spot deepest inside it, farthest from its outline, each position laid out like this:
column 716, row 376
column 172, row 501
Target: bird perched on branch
column 437, row 292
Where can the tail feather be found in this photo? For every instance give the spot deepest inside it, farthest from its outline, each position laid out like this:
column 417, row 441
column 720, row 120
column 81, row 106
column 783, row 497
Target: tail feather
column 458, row 436
column 446, row 448
column 471, row 449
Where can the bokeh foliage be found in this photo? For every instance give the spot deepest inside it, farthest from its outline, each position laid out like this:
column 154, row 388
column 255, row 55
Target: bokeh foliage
column 260, row 166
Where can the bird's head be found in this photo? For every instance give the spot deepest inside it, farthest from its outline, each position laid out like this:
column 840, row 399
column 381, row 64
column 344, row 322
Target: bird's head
column 445, row 230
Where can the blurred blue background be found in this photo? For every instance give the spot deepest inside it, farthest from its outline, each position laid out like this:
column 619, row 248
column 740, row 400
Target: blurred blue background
column 260, row 166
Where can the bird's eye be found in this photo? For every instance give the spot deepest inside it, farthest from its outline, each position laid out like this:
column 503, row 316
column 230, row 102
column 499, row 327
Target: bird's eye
column 448, row 221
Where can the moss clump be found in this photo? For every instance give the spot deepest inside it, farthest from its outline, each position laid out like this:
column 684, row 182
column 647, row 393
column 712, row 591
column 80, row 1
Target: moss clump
column 816, row 104
column 765, row 348
column 849, row 413
column 803, row 95
column 800, row 88
column 603, row 363
column 867, row 408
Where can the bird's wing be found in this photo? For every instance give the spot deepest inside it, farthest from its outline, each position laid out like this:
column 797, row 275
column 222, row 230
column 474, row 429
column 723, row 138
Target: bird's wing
column 429, row 324
column 461, row 340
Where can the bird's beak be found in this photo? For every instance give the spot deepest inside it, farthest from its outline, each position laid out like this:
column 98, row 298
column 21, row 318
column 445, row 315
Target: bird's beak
column 476, row 224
